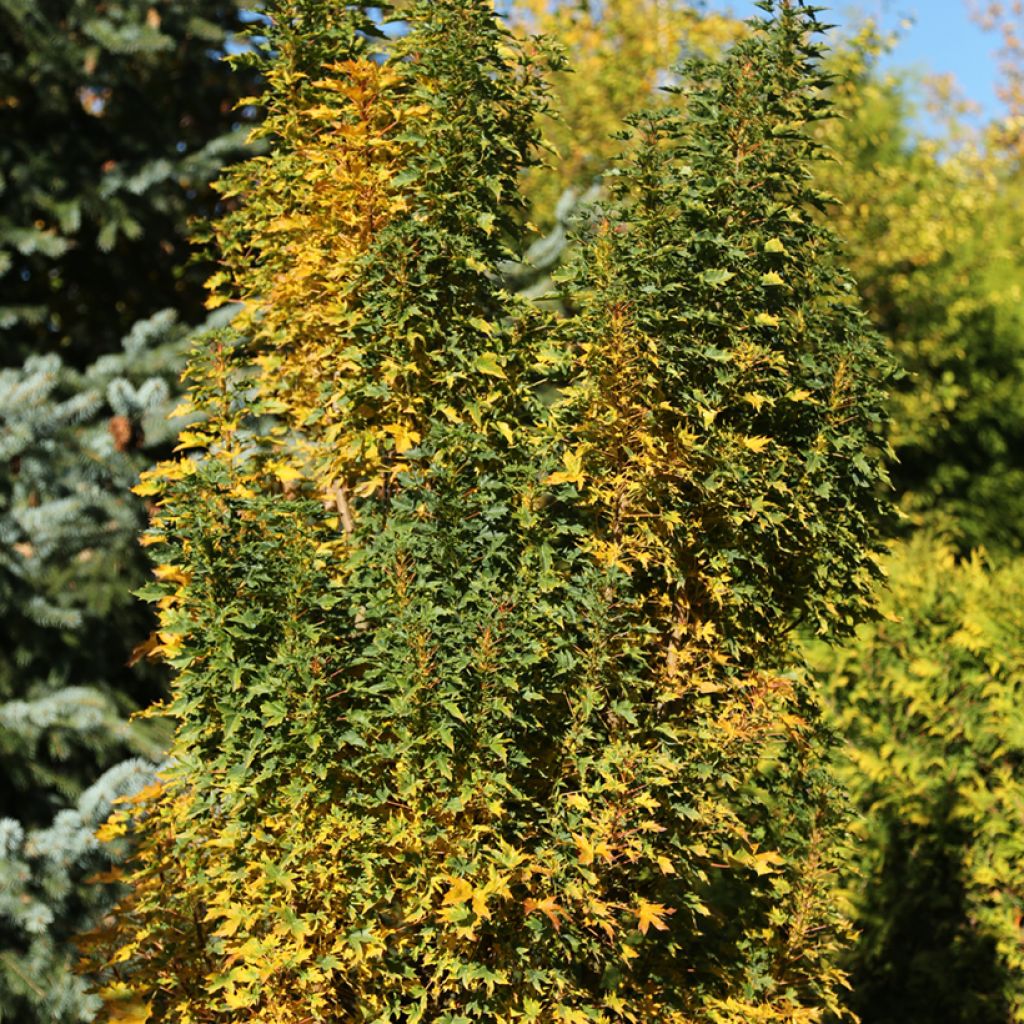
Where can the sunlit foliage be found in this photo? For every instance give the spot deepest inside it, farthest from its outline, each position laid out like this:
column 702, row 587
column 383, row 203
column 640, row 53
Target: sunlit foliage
column 486, row 703
column 933, row 228
column 620, row 54
column 929, row 702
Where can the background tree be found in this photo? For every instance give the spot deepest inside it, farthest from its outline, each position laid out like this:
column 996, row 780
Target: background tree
column 929, row 702
column 933, row 228
column 619, row 54
column 113, row 118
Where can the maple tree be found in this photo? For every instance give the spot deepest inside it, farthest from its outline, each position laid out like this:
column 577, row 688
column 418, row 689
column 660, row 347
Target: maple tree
column 486, row 704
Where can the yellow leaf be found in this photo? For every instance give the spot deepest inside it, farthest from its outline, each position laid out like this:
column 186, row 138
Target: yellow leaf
column 170, row 646
column 800, row 395
column 756, row 443
column 111, row 829
column 573, row 473
column 652, row 914
column 489, row 363
column 285, row 473
column 584, row 849
column 767, row 863
column 192, row 439
column 766, row 320
column 666, row 866
column 128, row 1013
column 146, row 489
column 236, row 1000
column 123, row 1006
column 505, row 430
column 480, row 904
column 367, row 487
column 772, row 279
column 404, row 437
column 548, row 907
column 482, row 325
column 170, row 470
column 756, row 400
column 774, row 245
column 150, row 792
column 459, row 892
column 321, row 112
column 170, row 574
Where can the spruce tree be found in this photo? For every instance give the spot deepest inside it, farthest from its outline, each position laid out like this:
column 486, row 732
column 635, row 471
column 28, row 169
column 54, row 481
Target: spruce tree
column 113, row 118
column 484, row 701
column 71, row 447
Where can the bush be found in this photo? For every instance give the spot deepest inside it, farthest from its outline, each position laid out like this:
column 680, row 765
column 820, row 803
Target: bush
column 486, row 708
column 929, row 702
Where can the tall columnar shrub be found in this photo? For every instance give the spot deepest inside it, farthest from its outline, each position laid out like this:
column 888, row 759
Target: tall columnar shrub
column 929, row 702
column 485, row 709
column 725, row 436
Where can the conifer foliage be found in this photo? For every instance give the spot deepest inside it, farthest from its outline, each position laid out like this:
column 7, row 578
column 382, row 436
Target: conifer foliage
column 485, row 708
column 115, row 117
column 71, row 446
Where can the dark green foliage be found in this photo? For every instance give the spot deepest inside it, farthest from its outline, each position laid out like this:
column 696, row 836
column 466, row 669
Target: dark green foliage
column 114, row 118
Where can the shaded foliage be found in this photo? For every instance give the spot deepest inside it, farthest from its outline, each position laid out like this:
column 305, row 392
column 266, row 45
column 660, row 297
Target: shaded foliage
column 114, row 119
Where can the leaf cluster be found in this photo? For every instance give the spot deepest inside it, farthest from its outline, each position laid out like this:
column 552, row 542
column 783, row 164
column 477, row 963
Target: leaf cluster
column 929, row 700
